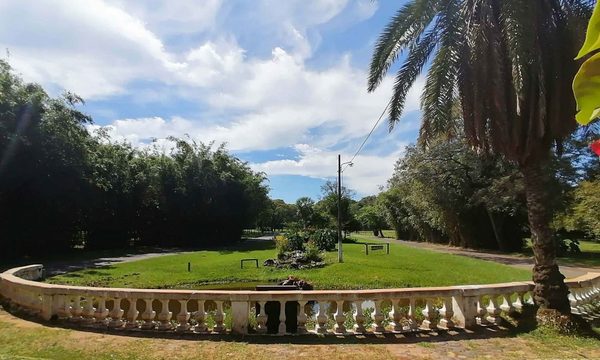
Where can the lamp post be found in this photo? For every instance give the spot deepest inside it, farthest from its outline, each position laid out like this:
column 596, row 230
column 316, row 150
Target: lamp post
column 339, row 206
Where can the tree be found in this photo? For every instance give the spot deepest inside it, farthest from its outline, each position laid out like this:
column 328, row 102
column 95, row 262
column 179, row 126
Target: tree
column 305, row 210
column 62, row 186
column 372, row 217
column 451, row 194
column 508, row 66
column 328, row 206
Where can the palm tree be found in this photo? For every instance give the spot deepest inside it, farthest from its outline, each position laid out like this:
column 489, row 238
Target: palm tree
column 508, row 65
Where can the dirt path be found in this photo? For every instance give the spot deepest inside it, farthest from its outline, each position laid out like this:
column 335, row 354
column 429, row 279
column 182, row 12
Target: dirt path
column 522, row 262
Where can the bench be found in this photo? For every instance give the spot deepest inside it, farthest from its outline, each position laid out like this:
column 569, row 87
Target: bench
column 249, row 259
column 373, row 247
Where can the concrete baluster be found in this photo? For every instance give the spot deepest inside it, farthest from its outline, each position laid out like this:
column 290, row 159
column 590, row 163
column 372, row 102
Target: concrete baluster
column 518, row 303
column 76, row 309
column 132, row 315
column 101, row 312
column 321, row 327
column 219, row 318
column 412, row 310
column 261, row 318
column 481, row 312
column 340, row 318
column 359, row 318
column 164, row 317
column 200, row 317
column 447, row 313
column 88, row 310
column 183, row 317
column 429, row 313
column 378, row 317
column 282, row 328
column 302, row 318
column 494, row 311
column 148, row 316
column 396, row 316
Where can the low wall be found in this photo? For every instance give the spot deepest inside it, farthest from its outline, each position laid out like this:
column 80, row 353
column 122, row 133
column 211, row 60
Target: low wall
column 318, row 311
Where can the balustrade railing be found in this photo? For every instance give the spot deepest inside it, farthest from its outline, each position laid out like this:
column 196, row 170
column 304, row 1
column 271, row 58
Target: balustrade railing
column 320, row 311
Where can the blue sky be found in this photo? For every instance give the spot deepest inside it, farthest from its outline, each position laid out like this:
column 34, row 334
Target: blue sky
column 282, row 83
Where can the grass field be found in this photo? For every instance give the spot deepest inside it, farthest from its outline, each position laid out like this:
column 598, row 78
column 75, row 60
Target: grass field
column 217, row 269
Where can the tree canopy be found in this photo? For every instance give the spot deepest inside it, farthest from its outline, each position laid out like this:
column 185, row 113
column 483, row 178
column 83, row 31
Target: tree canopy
column 61, row 186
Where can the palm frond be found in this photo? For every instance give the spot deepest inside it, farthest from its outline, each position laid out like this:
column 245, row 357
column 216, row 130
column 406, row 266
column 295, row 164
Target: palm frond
column 440, row 87
column 402, row 31
column 410, row 70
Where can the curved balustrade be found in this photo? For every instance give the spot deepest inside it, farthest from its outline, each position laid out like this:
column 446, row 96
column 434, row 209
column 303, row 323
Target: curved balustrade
column 322, row 312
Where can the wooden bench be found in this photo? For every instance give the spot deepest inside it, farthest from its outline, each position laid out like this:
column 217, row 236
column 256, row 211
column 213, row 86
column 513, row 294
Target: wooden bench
column 249, row 259
column 376, row 247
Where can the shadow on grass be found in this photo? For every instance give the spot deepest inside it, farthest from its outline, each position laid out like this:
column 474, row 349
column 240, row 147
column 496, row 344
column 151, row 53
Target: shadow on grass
column 248, row 246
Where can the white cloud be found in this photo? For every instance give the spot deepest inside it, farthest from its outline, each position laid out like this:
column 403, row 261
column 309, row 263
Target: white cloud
column 100, row 48
column 366, row 177
column 89, row 46
column 173, row 17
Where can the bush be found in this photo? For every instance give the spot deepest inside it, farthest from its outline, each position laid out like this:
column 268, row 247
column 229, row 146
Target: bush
column 281, row 244
column 312, row 251
column 296, row 240
column 567, row 246
column 325, row 239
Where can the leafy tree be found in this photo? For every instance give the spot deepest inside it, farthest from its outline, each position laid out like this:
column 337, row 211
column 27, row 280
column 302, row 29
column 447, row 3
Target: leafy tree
column 61, row 186
column 507, row 66
column 305, row 211
column 373, row 218
column 328, row 206
column 276, row 215
column 449, row 193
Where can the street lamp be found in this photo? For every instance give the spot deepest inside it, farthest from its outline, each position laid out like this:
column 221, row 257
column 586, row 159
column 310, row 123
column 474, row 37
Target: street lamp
column 339, row 217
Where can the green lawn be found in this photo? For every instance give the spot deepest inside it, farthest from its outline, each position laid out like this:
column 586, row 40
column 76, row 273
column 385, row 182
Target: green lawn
column 214, row 269
column 589, row 256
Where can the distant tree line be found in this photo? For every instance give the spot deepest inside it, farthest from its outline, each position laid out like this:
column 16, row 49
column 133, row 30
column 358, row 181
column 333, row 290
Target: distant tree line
column 448, row 193
column 62, row 187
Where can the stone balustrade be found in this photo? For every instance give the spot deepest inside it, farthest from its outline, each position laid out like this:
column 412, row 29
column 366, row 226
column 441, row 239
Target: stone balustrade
column 319, row 311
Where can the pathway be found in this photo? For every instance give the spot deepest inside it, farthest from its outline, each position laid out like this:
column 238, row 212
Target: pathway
column 60, row 267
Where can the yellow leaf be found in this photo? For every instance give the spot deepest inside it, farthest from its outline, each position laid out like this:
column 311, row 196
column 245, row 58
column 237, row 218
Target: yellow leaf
column 586, row 87
column 592, row 37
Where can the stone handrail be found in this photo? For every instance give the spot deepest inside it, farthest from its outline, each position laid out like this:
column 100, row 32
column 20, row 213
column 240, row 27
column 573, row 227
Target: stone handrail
column 410, row 309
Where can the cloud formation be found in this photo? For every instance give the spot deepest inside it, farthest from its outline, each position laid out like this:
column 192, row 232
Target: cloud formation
column 101, row 49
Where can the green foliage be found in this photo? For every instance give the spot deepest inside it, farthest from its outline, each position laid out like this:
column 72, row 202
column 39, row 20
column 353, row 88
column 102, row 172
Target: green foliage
column 585, row 84
column 296, row 239
column 312, row 250
column 448, row 193
column 282, row 244
column 324, row 239
column 583, row 211
column 276, row 215
column 372, row 217
column 61, row 186
column 499, row 68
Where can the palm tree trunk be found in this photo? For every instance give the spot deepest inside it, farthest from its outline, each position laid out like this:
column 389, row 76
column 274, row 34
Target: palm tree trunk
column 550, row 290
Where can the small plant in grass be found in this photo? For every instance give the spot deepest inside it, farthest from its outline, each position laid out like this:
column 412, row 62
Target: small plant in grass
column 325, row 239
column 312, row 251
column 282, row 245
column 296, row 240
